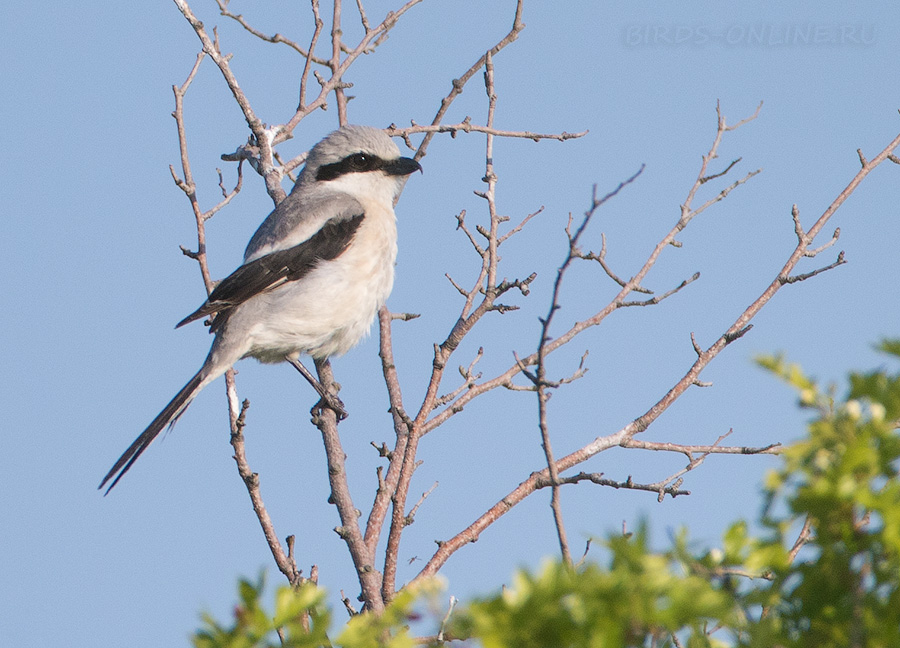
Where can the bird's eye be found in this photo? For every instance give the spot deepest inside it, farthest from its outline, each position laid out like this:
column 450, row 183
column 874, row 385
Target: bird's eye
column 359, row 161
column 355, row 163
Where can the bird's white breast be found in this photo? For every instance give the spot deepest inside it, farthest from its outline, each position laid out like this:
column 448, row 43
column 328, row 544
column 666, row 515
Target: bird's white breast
column 330, row 309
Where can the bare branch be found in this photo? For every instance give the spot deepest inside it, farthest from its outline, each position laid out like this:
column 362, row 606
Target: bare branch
column 798, row 227
column 469, row 378
column 263, row 139
column 804, row 537
column 228, row 196
column 462, row 291
column 371, row 38
column 362, row 16
column 459, row 84
column 412, row 513
column 363, row 558
column 660, row 488
column 277, row 38
column 706, row 179
column 696, row 346
column 461, row 224
column 689, row 450
column 834, row 238
column 746, row 120
column 722, row 194
column 601, row 259
column 735, row 331
column 633, row 284
column 405, row 317
column 286, row 563
column 335, row 62
column 807, row 275
column 518, row 228
column 466, row 126
column 446, row 619
column 402, row 428
column 304, row 78
column 348, row 605
column 658, row 298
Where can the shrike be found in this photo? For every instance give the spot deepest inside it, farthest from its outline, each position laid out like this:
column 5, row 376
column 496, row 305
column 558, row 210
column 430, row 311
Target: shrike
column 314, row 274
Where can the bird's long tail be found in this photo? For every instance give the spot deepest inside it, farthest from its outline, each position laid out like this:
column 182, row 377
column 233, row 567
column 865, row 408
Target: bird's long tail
column 167, row 417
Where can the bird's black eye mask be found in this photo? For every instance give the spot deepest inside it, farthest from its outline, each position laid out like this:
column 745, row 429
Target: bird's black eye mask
column 363, row 162
column 356, row 163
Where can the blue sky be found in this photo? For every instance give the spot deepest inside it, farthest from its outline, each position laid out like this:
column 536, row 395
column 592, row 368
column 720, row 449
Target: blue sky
column 95, row 282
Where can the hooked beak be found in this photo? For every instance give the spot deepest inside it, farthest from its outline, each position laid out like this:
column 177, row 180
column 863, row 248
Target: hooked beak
column 402, row 166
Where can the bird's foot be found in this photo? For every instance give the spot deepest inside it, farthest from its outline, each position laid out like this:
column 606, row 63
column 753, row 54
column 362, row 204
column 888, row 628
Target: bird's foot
column 332, row 402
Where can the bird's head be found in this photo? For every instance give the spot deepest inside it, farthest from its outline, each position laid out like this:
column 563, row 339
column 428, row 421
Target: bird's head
column 358, row 159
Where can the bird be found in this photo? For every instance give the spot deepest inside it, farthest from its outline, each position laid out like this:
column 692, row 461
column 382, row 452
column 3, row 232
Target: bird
column 314, row 274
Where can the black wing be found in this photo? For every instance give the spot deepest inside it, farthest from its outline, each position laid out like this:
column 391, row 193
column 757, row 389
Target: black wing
column 270, row 271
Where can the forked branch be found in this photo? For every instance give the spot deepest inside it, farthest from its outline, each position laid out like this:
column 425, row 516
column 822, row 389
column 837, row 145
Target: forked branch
column 704, row 357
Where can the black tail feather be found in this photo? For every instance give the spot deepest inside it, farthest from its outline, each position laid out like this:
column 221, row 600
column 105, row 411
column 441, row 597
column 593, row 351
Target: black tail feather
column 167, row 417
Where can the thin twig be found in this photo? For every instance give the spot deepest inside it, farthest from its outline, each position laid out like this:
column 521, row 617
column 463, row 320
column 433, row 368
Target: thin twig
column 466, row 126
column 304, row 78
column 335, row 62
column 276, row 38
column 285, row 562
column 662, row 487
column 263, row 139
column 402, row 427
column 459, row 84
column 409, row 437
column 735, row 331
column 689, row 450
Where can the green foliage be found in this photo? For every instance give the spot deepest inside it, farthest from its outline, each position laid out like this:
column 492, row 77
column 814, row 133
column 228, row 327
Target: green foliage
column 390, row 629
column 824, row 572
column 299, row 615
column 844, row 587
column 638, row 596
column 301, row 620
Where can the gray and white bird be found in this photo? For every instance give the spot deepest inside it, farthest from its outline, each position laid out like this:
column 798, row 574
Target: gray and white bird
column 314, row 274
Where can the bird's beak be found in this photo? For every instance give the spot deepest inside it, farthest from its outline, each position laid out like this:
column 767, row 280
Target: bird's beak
column 402, row 166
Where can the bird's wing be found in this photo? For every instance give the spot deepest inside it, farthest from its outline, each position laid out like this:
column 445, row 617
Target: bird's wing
column 274, row 269
column 298, row 217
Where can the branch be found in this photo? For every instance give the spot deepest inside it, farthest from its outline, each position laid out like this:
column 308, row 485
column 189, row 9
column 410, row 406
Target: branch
column 539, row 378
column 662, row 487
column 286, row 563
column 467, row 126
column 465, row 323
column 277, row 38
column 372, row 37
column 304, row 78
column 363, row 559
column 689, row 450
column 658, row 298
column 471, row 314
column 187, row 184
column 632, row 285
column 808, row 275
column 335, row 62
column 459, row 84
column 237, row 414
column 738, row 329
column 263, row 139
column 260, row 148
column 402, row 426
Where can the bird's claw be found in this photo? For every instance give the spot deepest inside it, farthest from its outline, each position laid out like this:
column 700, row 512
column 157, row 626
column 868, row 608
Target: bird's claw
column 332, row 402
